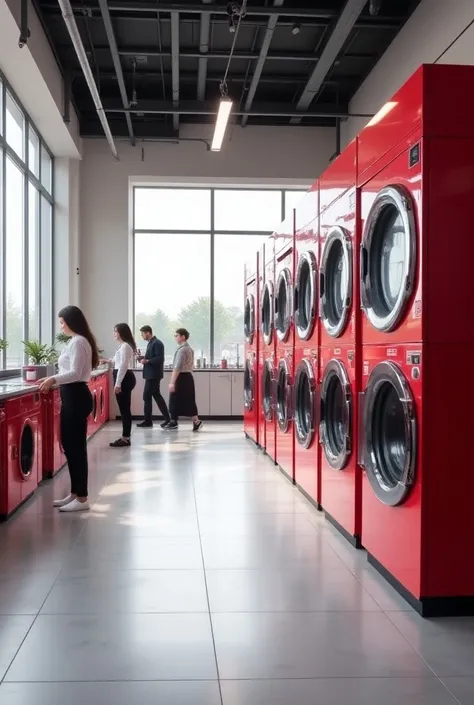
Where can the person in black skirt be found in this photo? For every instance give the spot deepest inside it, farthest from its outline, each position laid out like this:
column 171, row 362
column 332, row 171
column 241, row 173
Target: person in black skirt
column 182, row 393
column 76, row 363
column 124, row 380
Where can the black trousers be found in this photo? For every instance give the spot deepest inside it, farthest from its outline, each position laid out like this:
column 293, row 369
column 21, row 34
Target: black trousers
column 76, row 405
column 124, row 401
column 183, row 399
column 152, row 391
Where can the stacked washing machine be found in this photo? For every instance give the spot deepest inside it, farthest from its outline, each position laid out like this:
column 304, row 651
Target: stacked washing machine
column 267, row 349
column 306, row 324
column 416, row 176
column 284, row 350
column 338, row 310
column 251, row 326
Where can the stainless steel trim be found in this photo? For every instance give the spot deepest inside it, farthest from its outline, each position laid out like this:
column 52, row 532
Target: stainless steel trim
column 337, row 461
column 268, row 291
column 249, row 330
column 283, row 319
column 249, row 389
column 268, row 405
column 336, row 328
column 283, row 415
column 306, row 258
column 389, row 372
column 304, row 438
column 399, row 198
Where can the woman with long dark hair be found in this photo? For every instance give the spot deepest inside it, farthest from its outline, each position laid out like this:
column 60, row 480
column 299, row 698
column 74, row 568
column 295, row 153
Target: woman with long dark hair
column 76, row 362
column 124, row 380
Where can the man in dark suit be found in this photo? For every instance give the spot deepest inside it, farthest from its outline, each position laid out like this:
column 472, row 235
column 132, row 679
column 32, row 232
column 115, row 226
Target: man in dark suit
column 153, row 362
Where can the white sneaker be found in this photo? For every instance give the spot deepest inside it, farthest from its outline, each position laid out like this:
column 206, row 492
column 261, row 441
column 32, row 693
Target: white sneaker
column 63, row 502
column 75, row 506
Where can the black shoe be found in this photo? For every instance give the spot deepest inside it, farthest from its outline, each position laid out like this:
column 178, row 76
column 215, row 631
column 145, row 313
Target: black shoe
column 197, row 426
column 144, row 424
column 120, row 443
column 165, row 424
column 172, row 426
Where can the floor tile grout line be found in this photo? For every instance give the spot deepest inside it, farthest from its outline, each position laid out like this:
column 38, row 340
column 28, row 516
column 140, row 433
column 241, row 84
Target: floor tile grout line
column 207, row 590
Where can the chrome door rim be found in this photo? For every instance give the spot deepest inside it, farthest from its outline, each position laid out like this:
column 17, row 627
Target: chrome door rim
column 249, row 389
column 305, row 438
column 282, row 321
column 268, row 404
column 336, row 328
column 249, row 330
column 389, row 373
column 283, row 418
column 337, row 461
column 307, row 258
column 398, row 198
column 268, row 293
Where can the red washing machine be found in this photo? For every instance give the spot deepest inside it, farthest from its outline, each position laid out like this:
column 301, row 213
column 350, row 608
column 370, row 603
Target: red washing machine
column 53, row 455
column 340, row 474
column 411, row 197
column 338, row 269
column 251, row 326
column 102, row 399
column 22, row 452
column 267, row 350
column 415, row 289
column 93, row 420
column 306, row 399
column 285, row 345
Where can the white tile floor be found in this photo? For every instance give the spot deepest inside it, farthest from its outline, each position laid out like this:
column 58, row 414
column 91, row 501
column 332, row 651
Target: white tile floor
column 203, row 577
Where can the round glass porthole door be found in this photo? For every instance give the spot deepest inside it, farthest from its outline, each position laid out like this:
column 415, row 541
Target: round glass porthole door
column 249, row 386
column 305, row 295
column 267, row 390
column 388, row 258
column 283, row 305
column 27, row 451
column 305, row 404
column 249, row 319
column 94, row 406
column 267, row 313
column 283, row 396
column 390, row 434
column 335, row 287
column 336, row 415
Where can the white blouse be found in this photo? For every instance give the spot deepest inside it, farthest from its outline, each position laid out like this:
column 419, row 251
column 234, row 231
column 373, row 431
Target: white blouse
column 122, row 362
column 75, row 361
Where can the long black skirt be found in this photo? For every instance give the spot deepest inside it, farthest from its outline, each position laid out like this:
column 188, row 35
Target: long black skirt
column 183, row 399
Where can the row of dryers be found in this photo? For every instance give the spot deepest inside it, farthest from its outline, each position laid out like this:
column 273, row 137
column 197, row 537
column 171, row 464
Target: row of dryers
column 360, row 329
column 30, row 437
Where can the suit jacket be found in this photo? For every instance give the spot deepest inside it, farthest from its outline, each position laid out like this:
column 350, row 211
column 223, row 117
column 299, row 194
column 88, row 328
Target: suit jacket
column 155, row 353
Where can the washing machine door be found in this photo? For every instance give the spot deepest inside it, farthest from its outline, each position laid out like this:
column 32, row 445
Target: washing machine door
column 283, row 304
column 283, row 396
column 390, row 434
column 267, row 313
column 335, row 427
column 268, row 385
column 249, row 386
column 249, row 319
column 305, row 298
column 335, row 282
column 305, row 404
column 94, row 405
column 27, row 451
column 388, row 258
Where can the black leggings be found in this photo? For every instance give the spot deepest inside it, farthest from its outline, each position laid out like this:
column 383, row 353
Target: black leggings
column 124, row 401
column 76, row 405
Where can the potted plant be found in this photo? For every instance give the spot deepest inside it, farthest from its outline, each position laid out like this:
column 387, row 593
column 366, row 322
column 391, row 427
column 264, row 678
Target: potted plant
column 3, row 345
column 63, row 338
column 42, row 360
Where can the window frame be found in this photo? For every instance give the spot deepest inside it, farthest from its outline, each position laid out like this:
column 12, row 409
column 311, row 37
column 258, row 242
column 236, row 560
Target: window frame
column 29, row 177
column 212, row 232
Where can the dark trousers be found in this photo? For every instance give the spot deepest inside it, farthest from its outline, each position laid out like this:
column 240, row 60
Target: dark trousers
column 150, row 392
column 124, row 401
column 76, row 405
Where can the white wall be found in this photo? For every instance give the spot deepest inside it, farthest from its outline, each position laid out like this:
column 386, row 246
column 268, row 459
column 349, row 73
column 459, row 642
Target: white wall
column 275, row 156
column 437, row 32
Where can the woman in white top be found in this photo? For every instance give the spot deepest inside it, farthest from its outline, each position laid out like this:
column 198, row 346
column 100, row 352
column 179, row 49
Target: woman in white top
column 124, row 380
column 76, row 362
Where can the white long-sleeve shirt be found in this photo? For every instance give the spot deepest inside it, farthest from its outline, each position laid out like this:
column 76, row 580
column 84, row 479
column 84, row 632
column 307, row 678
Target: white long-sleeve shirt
column 122, row 362
column 75, row 361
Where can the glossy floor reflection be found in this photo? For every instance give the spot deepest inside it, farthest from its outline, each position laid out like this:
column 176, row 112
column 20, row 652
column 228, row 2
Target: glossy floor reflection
column 202, row 577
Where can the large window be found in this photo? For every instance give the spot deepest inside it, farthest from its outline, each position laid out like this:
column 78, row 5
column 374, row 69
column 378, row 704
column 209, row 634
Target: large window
column 190, row 248
column 26, row 203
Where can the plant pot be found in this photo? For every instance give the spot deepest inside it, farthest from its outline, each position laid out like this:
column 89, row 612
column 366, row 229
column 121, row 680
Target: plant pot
column 32, row 373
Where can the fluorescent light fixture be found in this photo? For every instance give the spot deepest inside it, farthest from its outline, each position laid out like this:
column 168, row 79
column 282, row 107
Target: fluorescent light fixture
column 221, row 124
